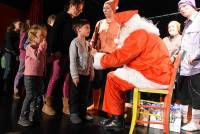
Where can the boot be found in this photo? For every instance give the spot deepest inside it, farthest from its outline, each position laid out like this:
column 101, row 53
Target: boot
column 47, row 107
column 116, row 123
column 65, row 106
column 96, row 99
column 24, row 119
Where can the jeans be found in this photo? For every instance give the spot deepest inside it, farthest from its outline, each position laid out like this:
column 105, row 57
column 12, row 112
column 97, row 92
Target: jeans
column 33, row 85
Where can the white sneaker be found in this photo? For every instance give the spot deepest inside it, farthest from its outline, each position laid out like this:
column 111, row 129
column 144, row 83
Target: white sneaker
column 191, row 127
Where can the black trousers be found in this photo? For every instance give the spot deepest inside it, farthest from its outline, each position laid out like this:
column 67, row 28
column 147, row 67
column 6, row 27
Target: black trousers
column 78, row 96
column 9, row 72
column 189, row 90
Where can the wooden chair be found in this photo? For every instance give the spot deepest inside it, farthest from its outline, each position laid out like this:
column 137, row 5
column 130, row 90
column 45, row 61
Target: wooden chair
column 165, row 108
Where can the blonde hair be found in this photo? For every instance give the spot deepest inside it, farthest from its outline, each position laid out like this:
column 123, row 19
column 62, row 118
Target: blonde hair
column 178, row 25
column 33, row 31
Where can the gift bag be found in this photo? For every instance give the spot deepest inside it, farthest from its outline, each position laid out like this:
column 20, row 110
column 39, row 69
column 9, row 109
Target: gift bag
column 175, row 118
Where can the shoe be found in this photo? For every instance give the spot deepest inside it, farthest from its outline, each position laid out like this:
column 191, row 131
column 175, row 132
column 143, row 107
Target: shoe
column 34, row 116
column 88, row 118
column 75, row 119
column 191, row 127
column 24, row 120
column 115, row 125
column 105, row 122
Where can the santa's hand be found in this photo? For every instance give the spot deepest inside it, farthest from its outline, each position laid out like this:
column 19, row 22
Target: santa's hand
column 93, row 52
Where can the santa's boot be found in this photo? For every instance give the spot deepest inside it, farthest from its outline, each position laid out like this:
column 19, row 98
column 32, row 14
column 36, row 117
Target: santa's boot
column 116, row 123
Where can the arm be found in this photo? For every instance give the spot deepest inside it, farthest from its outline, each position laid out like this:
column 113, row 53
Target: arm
column 132, row 48
column 56, row 33
column 95, row 35
column 34, row 51
column 73, row 57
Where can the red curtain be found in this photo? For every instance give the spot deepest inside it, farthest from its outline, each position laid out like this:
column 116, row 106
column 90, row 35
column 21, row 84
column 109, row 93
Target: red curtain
column 36, row 11
column 8, row 14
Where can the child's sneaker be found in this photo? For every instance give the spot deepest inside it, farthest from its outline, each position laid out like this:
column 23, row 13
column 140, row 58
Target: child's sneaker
column 191, row 127
column 24, row 120
column 75, row 119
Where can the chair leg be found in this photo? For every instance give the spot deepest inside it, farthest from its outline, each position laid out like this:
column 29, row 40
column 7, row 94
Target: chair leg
column 166, row 117
column 135, row 110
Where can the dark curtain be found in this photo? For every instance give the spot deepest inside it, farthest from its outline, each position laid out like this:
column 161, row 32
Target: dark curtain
column 36, row 11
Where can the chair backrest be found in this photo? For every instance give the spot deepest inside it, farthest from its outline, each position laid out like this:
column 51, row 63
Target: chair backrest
column 176, row 66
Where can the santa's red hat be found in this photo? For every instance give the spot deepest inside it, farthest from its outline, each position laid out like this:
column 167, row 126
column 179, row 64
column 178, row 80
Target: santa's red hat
column 123, row 17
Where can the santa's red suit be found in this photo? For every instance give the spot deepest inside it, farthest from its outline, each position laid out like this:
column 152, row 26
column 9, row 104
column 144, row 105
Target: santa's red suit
column 144, row 57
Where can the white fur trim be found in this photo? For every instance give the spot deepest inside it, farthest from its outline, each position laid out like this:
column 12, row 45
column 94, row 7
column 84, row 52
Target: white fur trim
column 137, row 79
column 97, row 60
column 136, row 23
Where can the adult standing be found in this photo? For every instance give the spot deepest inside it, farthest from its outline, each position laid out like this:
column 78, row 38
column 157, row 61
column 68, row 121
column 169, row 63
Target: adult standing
column 189, row 85
column 11, row 55
column 173, row 41
column 104, row 37
column 62, row 35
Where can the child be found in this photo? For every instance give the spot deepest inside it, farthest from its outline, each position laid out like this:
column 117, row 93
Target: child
column 33, row 73
column 81, row 71
column 18, row 83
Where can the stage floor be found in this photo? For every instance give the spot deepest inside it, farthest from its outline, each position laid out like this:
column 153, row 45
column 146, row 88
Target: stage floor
column 59, row 124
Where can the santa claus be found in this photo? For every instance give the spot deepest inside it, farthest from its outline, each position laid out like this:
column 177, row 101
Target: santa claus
column 145, row 60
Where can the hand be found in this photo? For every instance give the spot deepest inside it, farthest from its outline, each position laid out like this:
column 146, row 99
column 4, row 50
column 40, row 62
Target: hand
column 173, row 58
column 43, row 44
column 92, row 77
column 57, row 55
column 76, row 81
column 190, row 61
column 93, row 52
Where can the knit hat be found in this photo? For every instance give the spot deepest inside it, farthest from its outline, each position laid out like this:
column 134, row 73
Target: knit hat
column 113, row 4
column 188, row 2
